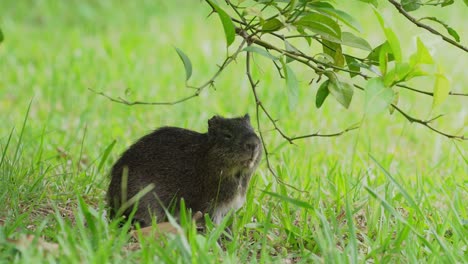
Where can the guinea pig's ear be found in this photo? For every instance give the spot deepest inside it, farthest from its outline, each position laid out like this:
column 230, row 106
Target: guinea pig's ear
column 247, row 117
column 213, row 121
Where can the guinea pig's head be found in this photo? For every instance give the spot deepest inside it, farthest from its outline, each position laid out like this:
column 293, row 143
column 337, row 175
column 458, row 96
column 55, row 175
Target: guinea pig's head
column 234, row 142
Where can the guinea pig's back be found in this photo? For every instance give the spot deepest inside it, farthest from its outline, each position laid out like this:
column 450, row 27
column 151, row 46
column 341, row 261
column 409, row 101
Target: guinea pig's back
column 167, row 158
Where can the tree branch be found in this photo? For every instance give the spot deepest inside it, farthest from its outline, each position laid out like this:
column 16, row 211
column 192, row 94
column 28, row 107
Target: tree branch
column 326, row 135
column 259, row 105
column 428, row 93
column 297, row 56
column 426, row 27
column 121, row 100
column 302, row 58
column 305, row 59
column 360, row 59
column 253, row 85
column 425, row 123
column 198, row 89
column 292, row 54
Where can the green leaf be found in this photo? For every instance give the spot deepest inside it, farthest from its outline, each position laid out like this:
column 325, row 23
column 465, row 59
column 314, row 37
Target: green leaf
column 466, row 2
column 229, row 28
column 449, row 29
column 260, row 51
column 292, row 85
column 397, row 74
column 292, row 5
column 447, row 3
column 290, row 200
column 1, row 36
column 417, row 71
column 339, row 58
column 330, row 47
column 373, row 56
column 322, row 94
column 301, row 31
column 391, row 37
column 334, row 50
column 253, row 11
column 324, row 58
column 341, row 90
column 441, row 89
column 375, row 3
column 422, row 55
column 384, row 58
column 322, row 25
column 378, row 97
column 289, row 48
column 272, row 25
column 353, row 65
column 342, row 16
column 395, row 101
column 453, row 33
column 394, row 43
column 187, row 63
column 401, row 71
column 318, row 4
column 349, row 39
column 411, row 5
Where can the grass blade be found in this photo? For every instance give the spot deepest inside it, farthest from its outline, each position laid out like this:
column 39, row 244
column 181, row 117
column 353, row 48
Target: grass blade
column 290, row 200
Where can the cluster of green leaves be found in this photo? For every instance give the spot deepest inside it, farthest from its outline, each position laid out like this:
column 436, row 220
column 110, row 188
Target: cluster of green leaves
column 319, row 22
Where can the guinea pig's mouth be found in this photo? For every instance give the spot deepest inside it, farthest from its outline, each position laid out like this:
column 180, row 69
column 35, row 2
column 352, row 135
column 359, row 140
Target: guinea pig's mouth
column 250, row 162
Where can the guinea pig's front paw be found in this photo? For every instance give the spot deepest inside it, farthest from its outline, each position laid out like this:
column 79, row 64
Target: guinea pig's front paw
column 199, row 221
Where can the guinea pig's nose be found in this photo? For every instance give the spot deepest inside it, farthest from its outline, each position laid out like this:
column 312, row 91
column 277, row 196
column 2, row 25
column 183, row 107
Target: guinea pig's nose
column 251, row 143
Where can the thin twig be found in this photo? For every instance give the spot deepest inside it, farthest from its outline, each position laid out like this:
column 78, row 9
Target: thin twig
column 344, row 54
column 300, row 36
column 259, row 106
column 198, row 89
column 278, row 68
column 325, row 135
column 253, row 85
column 399, row 7
column 274, row 122
column 303, row 58
column 121, row 100
column 234, row 7
column 428, row 93
column 425, row 123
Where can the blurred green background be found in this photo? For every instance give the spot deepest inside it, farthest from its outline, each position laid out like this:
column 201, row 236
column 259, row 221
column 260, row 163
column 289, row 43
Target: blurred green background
column 55, row 51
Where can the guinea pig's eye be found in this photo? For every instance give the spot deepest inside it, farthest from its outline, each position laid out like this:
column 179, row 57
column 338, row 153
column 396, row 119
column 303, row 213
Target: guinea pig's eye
column 226, row 135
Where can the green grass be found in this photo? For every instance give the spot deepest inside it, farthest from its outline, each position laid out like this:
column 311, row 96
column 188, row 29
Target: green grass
column 390, row 192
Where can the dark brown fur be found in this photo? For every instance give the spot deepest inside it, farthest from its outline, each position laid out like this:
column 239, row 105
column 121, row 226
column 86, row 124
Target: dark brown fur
column 207, row 170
